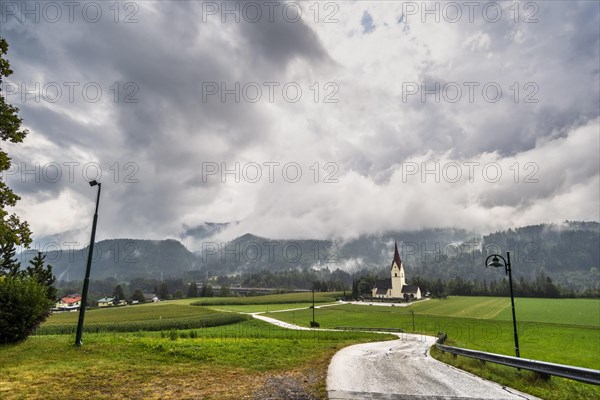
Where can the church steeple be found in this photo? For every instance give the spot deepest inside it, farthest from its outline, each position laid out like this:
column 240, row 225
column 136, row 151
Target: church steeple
column 397, row 259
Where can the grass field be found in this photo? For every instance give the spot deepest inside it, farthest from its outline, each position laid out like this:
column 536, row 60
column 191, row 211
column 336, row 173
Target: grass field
column 256, row 360
column 570, row 344
column 561, row 311
column 241, row 360
column 253, row 308
column 560, row 331
column 289, row 298
column 249, row 359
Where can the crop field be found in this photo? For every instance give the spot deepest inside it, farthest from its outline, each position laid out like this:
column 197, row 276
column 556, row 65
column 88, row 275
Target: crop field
column 146, row 317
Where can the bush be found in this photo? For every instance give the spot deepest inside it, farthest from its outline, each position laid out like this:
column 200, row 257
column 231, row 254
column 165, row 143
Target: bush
column 314, row 324
column 24, row 305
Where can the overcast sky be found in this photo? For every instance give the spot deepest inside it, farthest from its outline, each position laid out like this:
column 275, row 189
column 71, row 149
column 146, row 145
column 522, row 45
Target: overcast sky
column 303, row 120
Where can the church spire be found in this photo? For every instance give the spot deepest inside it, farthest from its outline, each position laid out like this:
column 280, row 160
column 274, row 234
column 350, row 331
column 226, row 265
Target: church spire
column 397, row 259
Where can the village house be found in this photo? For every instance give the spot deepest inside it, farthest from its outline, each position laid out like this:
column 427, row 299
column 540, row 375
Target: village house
column 105, row 302
column 70, row 302
column 395, row 287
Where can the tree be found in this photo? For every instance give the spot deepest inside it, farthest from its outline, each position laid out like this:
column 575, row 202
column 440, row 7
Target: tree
column 364, row 287
column 355, row 293
column 207, row 291
column 193, row 290
column 24, row 305
column 42, row 273
column 118, row 294
column 24, row 301
column 178, row 294
column 8, row 265
column 138, row 295
column 12, row 229
column 163, row 292
column 225, row 291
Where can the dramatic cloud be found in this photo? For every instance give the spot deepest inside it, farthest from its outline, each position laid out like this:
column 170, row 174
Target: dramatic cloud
column 303, row 120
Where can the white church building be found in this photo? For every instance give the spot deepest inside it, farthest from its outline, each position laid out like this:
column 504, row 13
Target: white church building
column 395, row 287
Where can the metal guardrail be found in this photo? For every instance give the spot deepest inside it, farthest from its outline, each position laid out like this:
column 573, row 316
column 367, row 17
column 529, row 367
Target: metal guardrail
column 543, row 368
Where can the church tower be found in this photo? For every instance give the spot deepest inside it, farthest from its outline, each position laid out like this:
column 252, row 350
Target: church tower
column 397, row 271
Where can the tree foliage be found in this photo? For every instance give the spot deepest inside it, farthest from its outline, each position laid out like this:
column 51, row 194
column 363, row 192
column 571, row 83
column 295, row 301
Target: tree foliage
column 193, row 290
column 163, row 292
column 24, row 305
column 138, row 295
column 118, row 294
column 8, row 265
column 225, row 291
column 42, row 273
column 25, row 296
column 12, row 229
column 207, row 291
column 541, row 287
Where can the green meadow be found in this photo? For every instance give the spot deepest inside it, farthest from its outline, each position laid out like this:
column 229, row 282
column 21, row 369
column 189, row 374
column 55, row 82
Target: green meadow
column 134, row 356
column 479, row 323
column 204, row 348
column 289, row 298
column 564, row 331
column 584, row 312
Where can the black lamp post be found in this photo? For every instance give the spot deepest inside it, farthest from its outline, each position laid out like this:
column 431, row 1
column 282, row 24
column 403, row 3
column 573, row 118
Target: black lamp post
column 86, row 281
column 506, row 264
column 313, row 307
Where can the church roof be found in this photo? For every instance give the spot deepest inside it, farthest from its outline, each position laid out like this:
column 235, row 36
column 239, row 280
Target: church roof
column 397, row 259
column 384, row 284
column 410, row 289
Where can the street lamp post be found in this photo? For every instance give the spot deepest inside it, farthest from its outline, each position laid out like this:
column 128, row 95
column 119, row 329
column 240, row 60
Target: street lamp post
column 313, row 293
column 86, row 281
column 506, row 264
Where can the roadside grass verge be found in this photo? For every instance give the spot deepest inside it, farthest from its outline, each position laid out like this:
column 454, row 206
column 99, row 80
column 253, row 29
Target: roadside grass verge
column 226, row 362
column 147, row 317
column 555, row 388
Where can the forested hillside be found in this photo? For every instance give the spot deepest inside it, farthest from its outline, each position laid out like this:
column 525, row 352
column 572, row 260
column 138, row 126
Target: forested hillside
column 568, row 253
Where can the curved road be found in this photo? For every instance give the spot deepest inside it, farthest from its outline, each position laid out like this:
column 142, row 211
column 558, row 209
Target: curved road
column 403, row 369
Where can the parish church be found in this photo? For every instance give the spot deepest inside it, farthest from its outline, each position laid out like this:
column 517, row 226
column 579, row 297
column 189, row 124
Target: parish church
column 395, row 287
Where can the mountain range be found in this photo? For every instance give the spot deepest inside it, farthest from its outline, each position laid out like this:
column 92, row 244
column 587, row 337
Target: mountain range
column 569, row 253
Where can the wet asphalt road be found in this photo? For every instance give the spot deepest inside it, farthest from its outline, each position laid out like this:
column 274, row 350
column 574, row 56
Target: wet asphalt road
column 402, row 369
